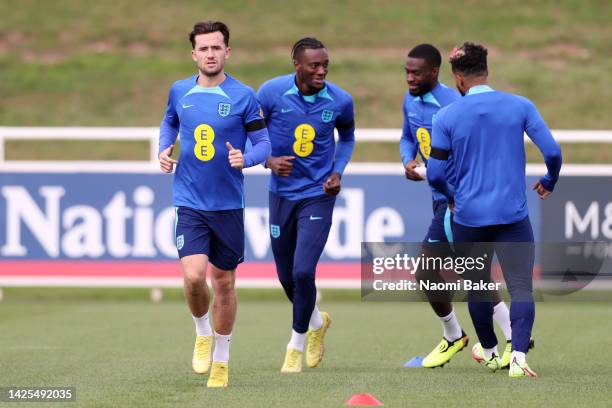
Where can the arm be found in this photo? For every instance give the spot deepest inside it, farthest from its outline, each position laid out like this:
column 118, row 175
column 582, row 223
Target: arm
column 257, row 133
column 344, row 148
column 436, row 165
column 261, row 147
column 168, row 130
column 408, row 146
column 169, row 127
column 346, row 138
column 538, row 132
column 408, row 149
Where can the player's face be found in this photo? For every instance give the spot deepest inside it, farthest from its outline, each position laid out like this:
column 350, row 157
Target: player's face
column 311, row 68
column 210, row 53
column 420, row 76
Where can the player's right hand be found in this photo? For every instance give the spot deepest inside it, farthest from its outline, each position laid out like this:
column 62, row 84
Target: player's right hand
column 281, row 165
column 410, row 171
column 165, row 161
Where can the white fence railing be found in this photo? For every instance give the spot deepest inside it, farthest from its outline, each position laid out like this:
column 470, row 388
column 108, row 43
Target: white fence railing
column 152, row 133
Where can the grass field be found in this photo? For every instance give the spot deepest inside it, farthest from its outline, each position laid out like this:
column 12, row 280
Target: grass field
column 74, row 63
column 122, row 350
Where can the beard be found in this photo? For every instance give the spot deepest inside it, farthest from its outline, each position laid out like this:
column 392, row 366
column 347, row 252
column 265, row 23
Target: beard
column 422, row 90
column 416, row 93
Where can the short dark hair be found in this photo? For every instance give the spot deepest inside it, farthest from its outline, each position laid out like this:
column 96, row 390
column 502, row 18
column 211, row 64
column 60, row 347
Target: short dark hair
column 427, row 52
column 469, row 59
column 309, row 43
column 205, row 27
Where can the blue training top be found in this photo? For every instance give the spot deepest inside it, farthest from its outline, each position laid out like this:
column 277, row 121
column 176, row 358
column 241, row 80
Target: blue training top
column 303, row 126
column 205, row 119
column 419, row 114
column 483, row 133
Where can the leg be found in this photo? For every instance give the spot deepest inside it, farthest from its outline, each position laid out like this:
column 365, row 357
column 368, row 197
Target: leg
column 438, row 244
column 194, row 284
column 226, row 252
column 283, row 239
column 314, row 222
column 193, row 244
column 192, row 239
column 224, row 314
column 479, row 304
column 516, row 255
column 435, row 244
column 224, row 304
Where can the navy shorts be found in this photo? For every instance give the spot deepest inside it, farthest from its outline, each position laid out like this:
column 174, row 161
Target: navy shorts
column 299, row 231
column 218, row 234
column 440, row 229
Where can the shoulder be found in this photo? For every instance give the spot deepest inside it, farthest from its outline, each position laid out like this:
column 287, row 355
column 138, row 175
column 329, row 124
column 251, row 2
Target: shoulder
column 279, row 84
column 448, row 95
column 339, row 95
column 443, row 112
column 237, row 89
column 522, row 100
column 183, row 85
column 446, row 113
column 517, row 102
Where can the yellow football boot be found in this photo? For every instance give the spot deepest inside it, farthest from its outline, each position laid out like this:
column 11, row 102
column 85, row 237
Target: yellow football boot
column 315, row 348
column 202, row 354
column 444, row 351
column 293, row 361
column 219, row 375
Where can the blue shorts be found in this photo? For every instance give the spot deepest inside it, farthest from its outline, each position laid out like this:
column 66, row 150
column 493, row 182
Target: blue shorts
column 440, row 229
column 218, row 234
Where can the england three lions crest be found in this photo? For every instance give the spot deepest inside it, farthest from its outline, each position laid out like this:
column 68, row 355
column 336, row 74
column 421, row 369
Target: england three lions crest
column 224, row 109
column 327, row 115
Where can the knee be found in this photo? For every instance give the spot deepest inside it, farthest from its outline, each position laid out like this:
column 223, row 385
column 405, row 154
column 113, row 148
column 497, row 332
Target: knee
column 519, row 288
column 286, row 283
column 223, row 285
column 194, row 278
column 303, row 276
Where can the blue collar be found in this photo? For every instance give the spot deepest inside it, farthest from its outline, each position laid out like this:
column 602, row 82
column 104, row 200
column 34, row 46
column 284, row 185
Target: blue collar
column 479, row 89
column 323, row 93
column 429, row 97
column 212, row 90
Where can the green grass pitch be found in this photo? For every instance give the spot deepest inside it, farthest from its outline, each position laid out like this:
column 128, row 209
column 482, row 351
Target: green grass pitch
column 126, row 351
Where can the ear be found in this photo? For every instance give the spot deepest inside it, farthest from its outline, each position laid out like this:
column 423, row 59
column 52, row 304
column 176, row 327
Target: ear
column 193, row 56
column 435, row 71
column 228, row 52
column 296, row 64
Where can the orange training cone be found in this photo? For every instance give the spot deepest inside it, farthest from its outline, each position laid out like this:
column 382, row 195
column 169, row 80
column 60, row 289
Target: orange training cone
column 363, row 400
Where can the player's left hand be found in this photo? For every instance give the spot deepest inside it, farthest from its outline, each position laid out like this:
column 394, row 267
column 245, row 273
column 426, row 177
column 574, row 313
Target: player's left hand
column 332, row 184
column 542, row 192
column 236, row 159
